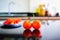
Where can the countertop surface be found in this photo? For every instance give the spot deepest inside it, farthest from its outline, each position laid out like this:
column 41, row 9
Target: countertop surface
column 48, row 32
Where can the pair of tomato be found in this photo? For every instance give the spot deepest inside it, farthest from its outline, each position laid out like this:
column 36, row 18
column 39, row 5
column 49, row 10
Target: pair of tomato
column 35, row 33
column 12, row 21
column 35, row 24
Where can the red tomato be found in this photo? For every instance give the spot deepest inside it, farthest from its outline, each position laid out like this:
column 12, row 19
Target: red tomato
column 36, row 33
column 12, row 21
column 17, row 20
column 36, row 24
column 27, row 33
column 27, row 24
column 6, row 22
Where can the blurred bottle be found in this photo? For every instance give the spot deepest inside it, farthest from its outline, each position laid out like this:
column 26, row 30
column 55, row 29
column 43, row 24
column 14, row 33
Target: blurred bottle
column 47, row 13
column 57, row 14
column 41, row 10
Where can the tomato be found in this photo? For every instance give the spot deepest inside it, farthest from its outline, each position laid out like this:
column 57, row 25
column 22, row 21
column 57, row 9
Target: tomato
column 36, row 33
column 27, row 33
column 27, row 24
column 12, row 21
column 17, row 20
column 6, row 22
column 36, row 24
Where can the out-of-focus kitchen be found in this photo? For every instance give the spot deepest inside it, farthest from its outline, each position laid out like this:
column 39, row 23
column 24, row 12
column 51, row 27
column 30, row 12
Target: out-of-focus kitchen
column 17, row 6
column 29, row 19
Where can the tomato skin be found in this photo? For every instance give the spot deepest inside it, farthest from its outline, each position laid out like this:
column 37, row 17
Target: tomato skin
column 27, row 24
column 12, row 21
column 27, row 33
column 6, row 23
column 36, row 24
column 17, row 20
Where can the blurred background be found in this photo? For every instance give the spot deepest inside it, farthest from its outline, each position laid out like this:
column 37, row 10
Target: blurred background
column 27, row 5
column 49, row 29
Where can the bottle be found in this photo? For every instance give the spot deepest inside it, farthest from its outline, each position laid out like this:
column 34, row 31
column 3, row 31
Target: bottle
column 41, row 10
column 57, row 14
column 46, row 13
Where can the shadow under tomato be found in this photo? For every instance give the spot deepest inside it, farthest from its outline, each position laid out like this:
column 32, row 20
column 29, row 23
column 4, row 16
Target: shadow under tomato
column 27, row 35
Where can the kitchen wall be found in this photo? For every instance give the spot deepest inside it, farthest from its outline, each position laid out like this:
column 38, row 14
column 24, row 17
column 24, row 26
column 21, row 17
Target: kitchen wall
column 14, row 5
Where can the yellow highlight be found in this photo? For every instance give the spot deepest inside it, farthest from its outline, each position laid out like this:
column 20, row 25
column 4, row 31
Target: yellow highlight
column 12, row 22
column 40, row 10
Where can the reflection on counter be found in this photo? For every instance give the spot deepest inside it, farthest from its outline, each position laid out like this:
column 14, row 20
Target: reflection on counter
column 36, row 34
column 27, row 35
